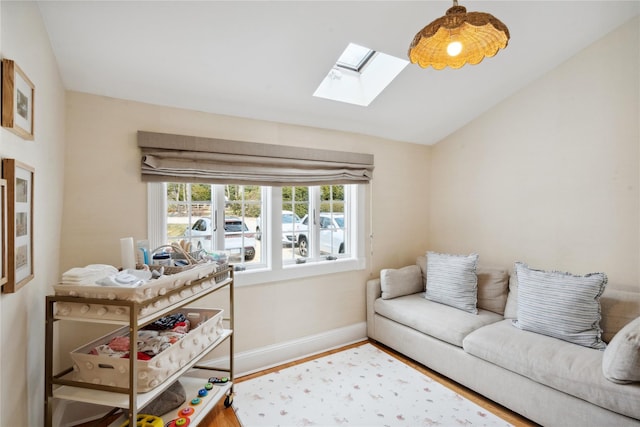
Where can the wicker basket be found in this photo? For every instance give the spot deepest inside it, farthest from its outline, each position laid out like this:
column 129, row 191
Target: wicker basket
column 113, row 371
column 192, row 259
column 222, row 267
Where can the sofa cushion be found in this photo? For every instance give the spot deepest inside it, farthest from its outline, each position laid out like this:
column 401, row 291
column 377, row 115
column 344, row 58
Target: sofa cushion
column 452, row 280
column 621, row 359
column 618, row 308
column 493, row 285
column 561, row 305
column 567, row 367
column 399, row 282
column 437, row 320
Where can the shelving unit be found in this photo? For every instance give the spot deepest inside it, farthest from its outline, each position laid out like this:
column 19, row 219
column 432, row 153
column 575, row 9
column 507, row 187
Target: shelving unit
column 192, row 376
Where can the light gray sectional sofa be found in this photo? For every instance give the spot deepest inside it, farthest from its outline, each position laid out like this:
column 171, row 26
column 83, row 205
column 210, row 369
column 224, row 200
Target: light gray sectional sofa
column 547, row 380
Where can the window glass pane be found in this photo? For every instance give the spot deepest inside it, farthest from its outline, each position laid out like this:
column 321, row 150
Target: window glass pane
column 295, row 206
column 243, row 205
column 333, row 232
column 189, row 221
column 354, row 57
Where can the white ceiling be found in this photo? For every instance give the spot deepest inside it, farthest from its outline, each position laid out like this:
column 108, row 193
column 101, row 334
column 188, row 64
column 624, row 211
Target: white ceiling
column 264, row 59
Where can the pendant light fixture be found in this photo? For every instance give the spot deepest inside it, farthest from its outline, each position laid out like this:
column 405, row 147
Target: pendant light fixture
column 458, row 38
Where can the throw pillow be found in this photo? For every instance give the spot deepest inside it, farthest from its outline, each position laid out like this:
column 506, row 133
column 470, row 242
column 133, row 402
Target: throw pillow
column 452, row 280
column 421, row 261
column 560, row 305
column 618, row 309
column 511, row 309
column 621, row 358
column 493, row 288
column 399, row 282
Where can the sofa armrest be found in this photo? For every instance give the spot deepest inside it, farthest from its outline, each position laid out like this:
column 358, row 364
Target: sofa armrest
column 374, row 291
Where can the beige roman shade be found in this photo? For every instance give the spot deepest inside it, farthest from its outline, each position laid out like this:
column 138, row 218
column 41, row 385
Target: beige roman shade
column 179, row 158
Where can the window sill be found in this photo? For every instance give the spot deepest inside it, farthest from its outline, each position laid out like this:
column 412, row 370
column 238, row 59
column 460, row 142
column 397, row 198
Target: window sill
column 297, row 271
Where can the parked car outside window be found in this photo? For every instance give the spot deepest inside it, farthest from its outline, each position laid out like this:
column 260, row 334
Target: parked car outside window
column 331, row 234
column 234, row 229
column 291, row 227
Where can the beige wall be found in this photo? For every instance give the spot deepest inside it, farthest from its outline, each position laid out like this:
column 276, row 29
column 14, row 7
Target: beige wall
column 22, row 314
column 106, row 200
column 550, row 176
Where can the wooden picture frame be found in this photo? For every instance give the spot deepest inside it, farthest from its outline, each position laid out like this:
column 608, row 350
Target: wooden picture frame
column 3, row 231
column 18, row 95
column 20, row 263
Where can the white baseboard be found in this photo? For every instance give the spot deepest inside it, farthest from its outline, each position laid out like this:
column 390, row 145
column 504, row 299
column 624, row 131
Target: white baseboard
column 251, row 361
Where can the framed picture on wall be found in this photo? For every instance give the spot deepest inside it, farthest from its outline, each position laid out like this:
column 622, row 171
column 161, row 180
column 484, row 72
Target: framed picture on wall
column 17, row 100
column 3, row 231
column 20, row 264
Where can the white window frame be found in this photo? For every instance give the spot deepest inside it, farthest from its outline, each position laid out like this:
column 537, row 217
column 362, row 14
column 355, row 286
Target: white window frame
column 271, row 269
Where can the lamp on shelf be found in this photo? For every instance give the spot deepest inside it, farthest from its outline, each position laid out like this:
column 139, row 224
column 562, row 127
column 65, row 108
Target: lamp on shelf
column 458, row 38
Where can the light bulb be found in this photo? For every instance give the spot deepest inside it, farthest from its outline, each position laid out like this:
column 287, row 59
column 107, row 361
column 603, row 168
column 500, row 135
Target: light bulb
column 454, row 48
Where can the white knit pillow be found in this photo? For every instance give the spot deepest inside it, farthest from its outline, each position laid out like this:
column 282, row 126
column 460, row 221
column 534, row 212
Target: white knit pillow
column 560, row 305
column 452, row 280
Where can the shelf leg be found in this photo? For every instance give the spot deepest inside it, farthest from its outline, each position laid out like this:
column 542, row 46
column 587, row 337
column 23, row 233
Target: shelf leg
column 48, row 364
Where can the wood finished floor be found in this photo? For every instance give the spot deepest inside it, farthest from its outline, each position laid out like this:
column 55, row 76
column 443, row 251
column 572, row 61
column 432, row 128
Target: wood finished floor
column 225, row 417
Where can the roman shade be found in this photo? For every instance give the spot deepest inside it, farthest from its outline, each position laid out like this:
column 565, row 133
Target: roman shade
column 180, row 158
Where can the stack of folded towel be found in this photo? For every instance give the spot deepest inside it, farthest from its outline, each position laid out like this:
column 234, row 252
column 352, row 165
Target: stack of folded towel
column 126, row 278
column 105, row 275
column 88, row 275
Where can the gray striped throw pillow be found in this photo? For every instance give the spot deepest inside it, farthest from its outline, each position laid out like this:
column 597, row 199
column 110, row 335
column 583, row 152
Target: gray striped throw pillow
column 452, row 280
column 560, row 305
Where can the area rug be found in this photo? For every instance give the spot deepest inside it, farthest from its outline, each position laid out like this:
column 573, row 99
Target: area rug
column 360, row 386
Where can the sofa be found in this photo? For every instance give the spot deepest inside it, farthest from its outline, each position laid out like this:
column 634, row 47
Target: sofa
column 486, row 348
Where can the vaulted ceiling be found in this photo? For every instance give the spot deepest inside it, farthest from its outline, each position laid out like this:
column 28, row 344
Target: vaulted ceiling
column 264, row 59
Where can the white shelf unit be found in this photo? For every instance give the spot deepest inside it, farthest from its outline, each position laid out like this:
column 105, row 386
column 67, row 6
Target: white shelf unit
column 191, row 376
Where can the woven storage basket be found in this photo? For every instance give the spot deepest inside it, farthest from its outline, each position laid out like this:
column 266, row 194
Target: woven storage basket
column 222, row 267
column 114, row 371
column 192, row 259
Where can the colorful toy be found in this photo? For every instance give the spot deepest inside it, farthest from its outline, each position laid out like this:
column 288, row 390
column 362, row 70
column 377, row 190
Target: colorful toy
column 143, row 420
column 216, row 380
column 185, row 412
column 179, row 422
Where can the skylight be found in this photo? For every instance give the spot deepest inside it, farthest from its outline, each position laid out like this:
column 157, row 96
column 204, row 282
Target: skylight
column 359, row 75
column 355, row 57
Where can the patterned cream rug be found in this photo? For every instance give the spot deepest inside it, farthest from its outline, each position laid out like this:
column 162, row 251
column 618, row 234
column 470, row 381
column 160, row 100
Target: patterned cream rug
column 361, row 386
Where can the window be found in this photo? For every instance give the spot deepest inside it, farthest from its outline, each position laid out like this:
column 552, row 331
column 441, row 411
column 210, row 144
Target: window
column 359, row 75
column 195, row 212
column 295, row 206
column 270, row 233
column 355, row 57
column 313, row 223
